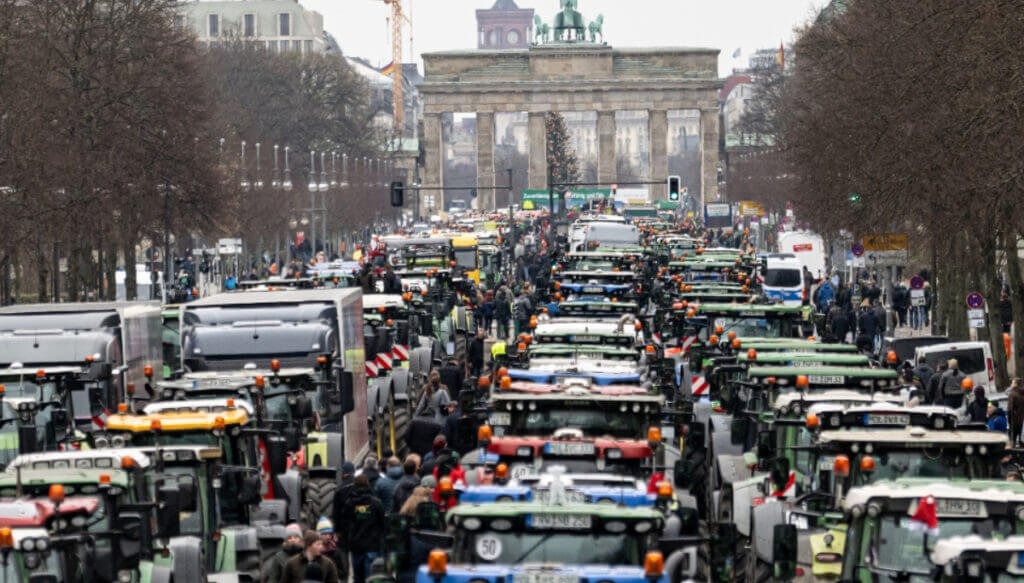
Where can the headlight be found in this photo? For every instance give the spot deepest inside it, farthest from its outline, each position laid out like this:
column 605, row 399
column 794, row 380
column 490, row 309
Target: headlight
column 855, row 447
column 869, row 448
column 783, row 411
column 471, row 523
column 124, row 576
column 969, row 449
column 857, row 511
column 524, row 451
column 28, row 544
column 874, row 510
column 939, row 423
column 78, row 521
column 982, row 449
column 533, row 406
column 117, row 441
column 519, row 406
column 42, row 544
column 167, row 394
column 101, row 442
column 642, row 527
column 616, row 526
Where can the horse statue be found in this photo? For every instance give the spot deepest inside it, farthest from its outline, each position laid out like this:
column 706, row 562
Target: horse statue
column 595, row 28
column 541, row 29
column 569, row 19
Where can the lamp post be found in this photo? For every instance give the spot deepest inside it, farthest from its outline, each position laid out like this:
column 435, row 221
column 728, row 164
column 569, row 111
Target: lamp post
column 244, row 184
column 258, row 182
column 322, row 187
column 287, row 184
column 275, row 180
column 313, row 187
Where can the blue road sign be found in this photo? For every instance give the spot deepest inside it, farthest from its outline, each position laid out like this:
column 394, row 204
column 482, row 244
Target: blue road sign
column 975, row 301
column 917, row 282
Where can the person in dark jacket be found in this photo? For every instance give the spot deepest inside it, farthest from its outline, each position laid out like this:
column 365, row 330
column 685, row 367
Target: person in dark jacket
column 385, row 486
column 295, row 568
column 923, row 372
column 371, row 469
column 977, row 411
column 407, row 483
column 838, row 323
column 1015, row 410
column 935, row 385
column 1006, row 312
column 366, row 527
column 452, row 376
column 475, row 354
column 503, row 310
column 291, row 546
column 341, row 496
column 867, row 325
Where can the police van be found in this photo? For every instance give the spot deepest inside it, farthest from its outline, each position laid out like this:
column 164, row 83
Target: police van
column 783, row 279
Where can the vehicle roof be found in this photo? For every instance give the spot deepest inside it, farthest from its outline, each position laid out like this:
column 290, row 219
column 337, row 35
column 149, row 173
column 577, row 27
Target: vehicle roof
column 830, row 396
column 795, row 345
column 197, row 405
column 916, row 488
column 845, row 371
column 511, row 509
column 766, row 308
column 30, row 371
column 76, row 457
column 235, row 378
column 561, row 328
column 76, row 307
column 796, row 358
column 176, row 421
column 278, row 297
column 374, row 301
column 34, row 512
column 912, row 437
column 950, row 346
column 64, row 476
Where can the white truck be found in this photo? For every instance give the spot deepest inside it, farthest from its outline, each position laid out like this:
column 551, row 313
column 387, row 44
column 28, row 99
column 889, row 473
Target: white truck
column 807, row 247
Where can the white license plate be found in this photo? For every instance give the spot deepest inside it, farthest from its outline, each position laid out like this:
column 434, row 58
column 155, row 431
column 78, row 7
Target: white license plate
column 825, row 463
column 892, row 419
column 501, row 418
column 593, row 289
column 959, row 507
column 817, row 379
column 544, row 578
column 563, row 521
column 569, row 448
column 584, row 338
column 571, row 496
column 810, row 364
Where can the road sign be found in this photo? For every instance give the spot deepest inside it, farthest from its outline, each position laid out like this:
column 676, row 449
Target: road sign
column 857, row 250
column 917, row 297
column 917, row 282
column 975, row 301
column 749, row 208
column 885, row 242
column 976, row 318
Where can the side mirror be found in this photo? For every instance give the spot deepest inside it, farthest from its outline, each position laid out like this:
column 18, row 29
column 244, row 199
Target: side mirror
column 784, row 548
column 780, row 473
column 277, row 454
column 346, row 391
column 27, row 438
column 682, row 474
column 738, row 430
column 133, row 535
column 96, row 401
column 292, row 437
column 765, row 446
column 250, row 491
column 168, row 511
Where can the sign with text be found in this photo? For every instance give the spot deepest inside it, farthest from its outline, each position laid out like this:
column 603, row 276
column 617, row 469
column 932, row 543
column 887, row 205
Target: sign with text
column 749, row 208
column 717, row 216
column 885, row 242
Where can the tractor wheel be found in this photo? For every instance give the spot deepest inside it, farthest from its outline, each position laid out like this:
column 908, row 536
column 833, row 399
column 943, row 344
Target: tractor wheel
column 319, row 500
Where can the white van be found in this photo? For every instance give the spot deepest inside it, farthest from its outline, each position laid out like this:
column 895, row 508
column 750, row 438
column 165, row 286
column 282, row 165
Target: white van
column 973, row 358
column 783, row 279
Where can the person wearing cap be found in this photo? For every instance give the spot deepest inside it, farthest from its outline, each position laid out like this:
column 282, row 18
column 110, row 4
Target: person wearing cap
column 439, row 444
column 365, row 528
column 325, row 528
column 291, row 546
column 295, row 568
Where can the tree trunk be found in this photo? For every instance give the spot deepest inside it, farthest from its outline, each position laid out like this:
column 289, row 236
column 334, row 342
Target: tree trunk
column 1013, row 270
column 131, row 289
column 993, row 286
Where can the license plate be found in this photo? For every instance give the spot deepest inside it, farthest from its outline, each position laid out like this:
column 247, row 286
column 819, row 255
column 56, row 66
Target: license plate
column 593, row 289
column 571, row 497
column 584, row 338
column 811, row 364
column 817, row 379
column 959, row 507
column 562, row 521
column 825, row 463
column 544, row 578
column 892, row 419
column 568, row 448
column 501, row 418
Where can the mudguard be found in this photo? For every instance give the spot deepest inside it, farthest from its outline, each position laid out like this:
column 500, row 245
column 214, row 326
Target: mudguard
column 269, row 512
column 376, row 396
column 245, row 538
column 682, row 565
column 160, row 574
column 400, row 380
column 291, row 483
column 461, row 320
column 421, row 358
column 188, row 558
column 763, row 519
column 743, row 494
column 722, row 439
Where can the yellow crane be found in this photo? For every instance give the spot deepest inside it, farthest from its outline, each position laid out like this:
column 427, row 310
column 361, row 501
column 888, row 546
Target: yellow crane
column 397, row 96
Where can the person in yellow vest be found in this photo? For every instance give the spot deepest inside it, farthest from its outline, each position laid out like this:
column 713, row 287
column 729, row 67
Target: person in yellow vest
column 357, row 255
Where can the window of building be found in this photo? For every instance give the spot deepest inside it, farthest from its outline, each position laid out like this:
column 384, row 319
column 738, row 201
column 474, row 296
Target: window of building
column 492, row 39
column 249, row 25
column 272, row 46
column 307, row 46
column 297, row 46
column 284, row 24
column 213, row 25
column 513, row 37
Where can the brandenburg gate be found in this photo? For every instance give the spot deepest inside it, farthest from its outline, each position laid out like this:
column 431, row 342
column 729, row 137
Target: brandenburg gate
column 567, row 72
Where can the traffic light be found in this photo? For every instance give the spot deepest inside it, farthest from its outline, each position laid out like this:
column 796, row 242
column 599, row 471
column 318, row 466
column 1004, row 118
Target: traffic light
column 397, row 193
column 675, row 186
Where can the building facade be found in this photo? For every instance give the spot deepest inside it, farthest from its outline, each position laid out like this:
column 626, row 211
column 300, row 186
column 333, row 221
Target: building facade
column 504, row 26
column 282, row 26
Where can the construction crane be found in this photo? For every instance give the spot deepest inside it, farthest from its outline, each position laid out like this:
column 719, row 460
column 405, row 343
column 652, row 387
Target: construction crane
column 397, row 90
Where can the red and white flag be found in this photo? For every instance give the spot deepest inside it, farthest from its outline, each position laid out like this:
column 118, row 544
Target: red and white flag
column 925, row 518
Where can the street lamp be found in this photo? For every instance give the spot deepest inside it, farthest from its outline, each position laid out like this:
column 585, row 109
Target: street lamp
column 322, row 187
column 258, row 183
column 312, row 171
column 287, row 184
column 275, row 181
column 344, row 170
column 334, row 169
column 245, row 179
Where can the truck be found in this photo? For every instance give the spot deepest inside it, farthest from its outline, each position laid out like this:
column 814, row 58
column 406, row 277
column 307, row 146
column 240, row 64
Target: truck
column 320, row 329
column 807, row 247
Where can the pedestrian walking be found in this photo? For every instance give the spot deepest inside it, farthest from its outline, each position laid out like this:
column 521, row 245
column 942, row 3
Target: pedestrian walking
column 476, row 353
column 996, row 418
column 503, row 310
column 384, row 489
column 522, row 310
column 295, row 568
column 366, row 527
column 325, row 528
column 1015, row 410
column 952, row 385
column 407, row 483
column 434, row 398
column 291, row 546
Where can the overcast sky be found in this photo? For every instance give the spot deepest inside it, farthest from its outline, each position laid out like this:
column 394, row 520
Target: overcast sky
column 362, row 31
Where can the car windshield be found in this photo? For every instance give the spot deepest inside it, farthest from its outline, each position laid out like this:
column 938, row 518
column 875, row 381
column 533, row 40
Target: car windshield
column 917, row 464
column 782, row 278
column 753, row 327
column 465, row 258
column 192, row 516
column 970, row 360
column 516, row 548
column 592, row 421
column 895, row 547
column 228, row 445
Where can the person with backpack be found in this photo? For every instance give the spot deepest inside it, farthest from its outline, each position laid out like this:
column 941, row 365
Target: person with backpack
column 952, row 385
column 503, row 310
column 365, row 528
column 901, row 303
column 521, row 311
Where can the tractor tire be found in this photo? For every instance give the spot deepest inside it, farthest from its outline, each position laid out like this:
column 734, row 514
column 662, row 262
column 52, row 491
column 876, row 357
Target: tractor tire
column 318, row 500
column 461, row 349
